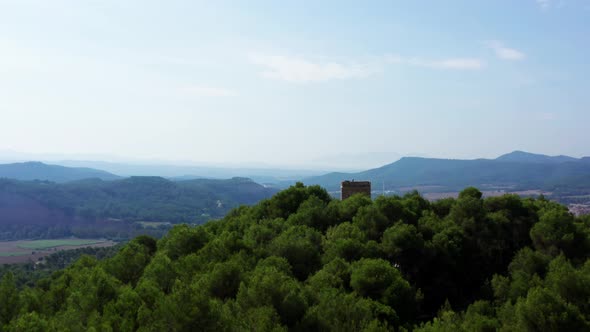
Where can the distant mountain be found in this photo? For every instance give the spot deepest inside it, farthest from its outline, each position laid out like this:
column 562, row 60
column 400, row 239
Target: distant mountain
column 184, row 172
column 449, row 174
column 39, row 171
column 526, row 157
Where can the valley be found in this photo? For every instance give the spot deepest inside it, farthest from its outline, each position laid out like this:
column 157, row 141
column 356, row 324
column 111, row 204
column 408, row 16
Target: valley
column 45, row 206
column 294, row 166
column 22, row 251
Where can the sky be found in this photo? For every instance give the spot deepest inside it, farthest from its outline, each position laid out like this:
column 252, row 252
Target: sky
column 342, row 84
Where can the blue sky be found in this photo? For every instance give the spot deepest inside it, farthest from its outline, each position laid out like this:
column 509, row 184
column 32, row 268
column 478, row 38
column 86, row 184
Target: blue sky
column 294, row 83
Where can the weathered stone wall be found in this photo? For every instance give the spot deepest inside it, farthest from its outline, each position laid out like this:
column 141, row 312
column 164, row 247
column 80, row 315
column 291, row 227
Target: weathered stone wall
column 349, row 188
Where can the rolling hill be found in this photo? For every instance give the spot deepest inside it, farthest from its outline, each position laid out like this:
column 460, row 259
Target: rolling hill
column 43, row 208
column 526, row 157
column 32, row 170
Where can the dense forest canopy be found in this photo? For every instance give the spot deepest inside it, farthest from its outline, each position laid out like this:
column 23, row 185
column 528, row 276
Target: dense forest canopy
column 302, row 261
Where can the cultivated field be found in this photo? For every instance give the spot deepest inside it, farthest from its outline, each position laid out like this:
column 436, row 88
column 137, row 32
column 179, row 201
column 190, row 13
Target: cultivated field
column 24, row 250
column 153, row 224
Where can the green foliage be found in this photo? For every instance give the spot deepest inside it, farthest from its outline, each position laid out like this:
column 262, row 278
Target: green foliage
column 129, row 263
column 554, row 232
column 372, row 277
column 402, row 242
column 303, row 262
column 272, row 286
column 339, row 311
column 9, row 296
column 183, row 240
column 300, row 245
column 543, row 310
column 345, row 241
column 379, row 280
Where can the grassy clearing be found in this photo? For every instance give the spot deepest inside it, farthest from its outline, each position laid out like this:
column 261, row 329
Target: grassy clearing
column 47, row 244
column 152, row 224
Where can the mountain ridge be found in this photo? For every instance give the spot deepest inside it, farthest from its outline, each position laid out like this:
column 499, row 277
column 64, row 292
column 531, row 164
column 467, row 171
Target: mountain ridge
column 515, row 170
column 36, row 170
column 522, row 156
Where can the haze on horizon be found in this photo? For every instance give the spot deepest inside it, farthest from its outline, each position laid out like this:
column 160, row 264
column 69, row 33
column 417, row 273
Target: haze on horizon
column 299, row 83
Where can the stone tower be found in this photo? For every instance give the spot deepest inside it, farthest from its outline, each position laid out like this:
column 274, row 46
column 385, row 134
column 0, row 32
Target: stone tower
column 350, row 188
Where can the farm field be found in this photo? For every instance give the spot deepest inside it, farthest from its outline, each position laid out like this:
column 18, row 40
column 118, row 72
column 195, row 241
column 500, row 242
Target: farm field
column 153, row 224
column 47, row 244
column 24, row 250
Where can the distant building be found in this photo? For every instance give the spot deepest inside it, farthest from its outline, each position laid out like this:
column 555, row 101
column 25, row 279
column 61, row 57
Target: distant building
column 579, row 209
column 349, row 188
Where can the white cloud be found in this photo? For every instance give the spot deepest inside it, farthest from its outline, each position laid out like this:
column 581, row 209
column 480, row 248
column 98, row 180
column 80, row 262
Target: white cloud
column 503, row 52
column 206, row 91
column 455, row 63
column 557, row 4
column 544, row 4
column 293, row 69
column 449, row 63
column 300, row 70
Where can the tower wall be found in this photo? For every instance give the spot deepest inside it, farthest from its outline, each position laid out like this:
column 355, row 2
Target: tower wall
column 349, row 188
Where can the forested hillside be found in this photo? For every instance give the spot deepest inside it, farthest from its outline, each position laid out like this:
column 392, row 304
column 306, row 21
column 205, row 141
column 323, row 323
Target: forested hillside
column 29, row 273
column 92, row 207
column 302, row 261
